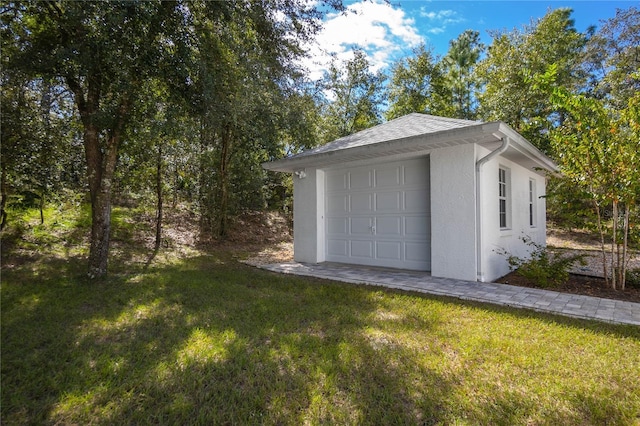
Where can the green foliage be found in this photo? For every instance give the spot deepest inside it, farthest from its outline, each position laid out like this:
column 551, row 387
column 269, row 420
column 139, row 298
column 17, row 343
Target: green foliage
column 633, row 278
column 543, row 268
column 416, row 84
column 569, row 206
column 184, row 98
column 460, row 79
column 445, row 87
column 513, row 57
column 611, row 57
column 357, row 94
column 598, row 147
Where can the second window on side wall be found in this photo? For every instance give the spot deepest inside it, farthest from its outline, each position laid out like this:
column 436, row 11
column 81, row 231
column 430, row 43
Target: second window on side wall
column 532, row 203
column 503, row 197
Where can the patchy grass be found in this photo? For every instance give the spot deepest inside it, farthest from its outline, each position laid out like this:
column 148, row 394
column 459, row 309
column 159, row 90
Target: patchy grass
column 203, row 339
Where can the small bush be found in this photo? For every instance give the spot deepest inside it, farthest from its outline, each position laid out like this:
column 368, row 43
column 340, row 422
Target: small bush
column 544, row 268
column 633, row 278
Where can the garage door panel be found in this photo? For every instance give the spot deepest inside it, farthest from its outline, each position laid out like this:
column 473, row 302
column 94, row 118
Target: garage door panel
column 337, row 204
column 416, row 201
column 389, row 250
column 389, row 225
column 337, row 247
column 388, row 201
column 415, row 174
column 362, row 249
column 387, row 177
column 417, row 251
column 360, row 179
column 338, row 181
column 361, row 203
column 360, row 226
column 337, row 225
column 417, row 226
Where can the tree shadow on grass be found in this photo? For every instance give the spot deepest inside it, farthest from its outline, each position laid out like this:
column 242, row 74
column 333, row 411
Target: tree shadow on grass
column 192, row 343
column 211, row 341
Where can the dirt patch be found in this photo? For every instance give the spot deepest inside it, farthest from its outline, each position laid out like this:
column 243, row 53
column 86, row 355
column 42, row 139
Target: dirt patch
column 575, row 239
column 579, row 284
column 252, row 233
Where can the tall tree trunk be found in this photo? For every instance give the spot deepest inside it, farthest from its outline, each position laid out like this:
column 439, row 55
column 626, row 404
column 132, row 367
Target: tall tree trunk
column 46, row 104
column 615, row 253
column 625, row 243
column 159, row 198
column 205, row 195
column 42, row 207
column 225, row 156
column 100, row 168
column 3, row 197
column 176, row 176
column 101, row 163
column 603, row 250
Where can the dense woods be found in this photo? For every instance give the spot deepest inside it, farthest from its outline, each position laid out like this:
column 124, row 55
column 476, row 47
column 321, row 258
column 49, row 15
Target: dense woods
column 179, row 102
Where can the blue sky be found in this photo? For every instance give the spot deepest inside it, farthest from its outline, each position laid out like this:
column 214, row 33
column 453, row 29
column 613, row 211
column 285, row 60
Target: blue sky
column 390, row 31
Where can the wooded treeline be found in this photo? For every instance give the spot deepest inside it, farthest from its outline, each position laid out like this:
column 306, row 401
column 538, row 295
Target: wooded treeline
column 181, row 101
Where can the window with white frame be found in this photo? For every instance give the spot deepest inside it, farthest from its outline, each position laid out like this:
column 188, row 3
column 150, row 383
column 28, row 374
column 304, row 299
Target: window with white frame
column 532, row 203
column 504, row 198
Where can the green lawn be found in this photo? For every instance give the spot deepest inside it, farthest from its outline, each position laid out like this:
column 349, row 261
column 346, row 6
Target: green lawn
column 206, row 340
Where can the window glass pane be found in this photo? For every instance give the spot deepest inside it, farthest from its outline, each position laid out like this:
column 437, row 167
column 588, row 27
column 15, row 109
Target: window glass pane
column 503, row 196
column 532, row 200
column 530, row 214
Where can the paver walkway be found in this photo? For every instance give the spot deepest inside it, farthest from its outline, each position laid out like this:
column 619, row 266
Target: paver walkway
column 571, row 305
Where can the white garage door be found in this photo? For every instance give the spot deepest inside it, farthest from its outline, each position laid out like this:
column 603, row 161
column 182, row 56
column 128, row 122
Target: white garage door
column 380, row 215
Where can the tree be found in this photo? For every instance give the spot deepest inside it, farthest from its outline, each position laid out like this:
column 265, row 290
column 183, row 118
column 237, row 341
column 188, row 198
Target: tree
column 513, row 57
column 356, row 96
column 36, row 118
column 415, row 85
column 245, row 72
column 612, row 57
column 102, row 52
column 461, row 81
column 599, row 149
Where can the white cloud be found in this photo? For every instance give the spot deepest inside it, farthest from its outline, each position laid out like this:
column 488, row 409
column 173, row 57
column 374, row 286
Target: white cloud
column 436, row 30
column 439, row 20
column 376, row 27
column 446, row 16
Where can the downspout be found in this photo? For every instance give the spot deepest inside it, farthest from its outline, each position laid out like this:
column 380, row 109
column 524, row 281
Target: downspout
column 502, row 148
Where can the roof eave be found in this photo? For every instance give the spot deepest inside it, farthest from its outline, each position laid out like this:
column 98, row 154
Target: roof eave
column 418, row 143
column 528, row 150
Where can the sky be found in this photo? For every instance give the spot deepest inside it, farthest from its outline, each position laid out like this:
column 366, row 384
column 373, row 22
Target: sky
column 389, row 31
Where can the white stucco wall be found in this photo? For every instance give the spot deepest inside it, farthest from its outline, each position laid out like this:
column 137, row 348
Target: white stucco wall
column 453, row 236
column 493, row 239
column 454, row 240
column 308, row 217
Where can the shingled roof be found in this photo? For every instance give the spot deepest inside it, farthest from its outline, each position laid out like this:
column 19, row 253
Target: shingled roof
column 400, row 128
column 414, row 134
